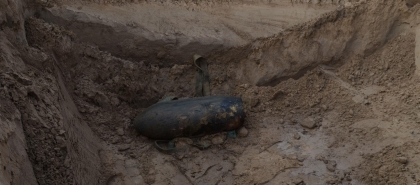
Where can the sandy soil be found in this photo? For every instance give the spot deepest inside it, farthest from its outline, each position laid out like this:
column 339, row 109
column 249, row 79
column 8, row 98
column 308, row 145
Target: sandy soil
column 330, row 91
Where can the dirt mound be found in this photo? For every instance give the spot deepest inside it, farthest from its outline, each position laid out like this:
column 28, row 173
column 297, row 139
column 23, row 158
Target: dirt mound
column 329, row 101
column 355, row 30
column 134, row 31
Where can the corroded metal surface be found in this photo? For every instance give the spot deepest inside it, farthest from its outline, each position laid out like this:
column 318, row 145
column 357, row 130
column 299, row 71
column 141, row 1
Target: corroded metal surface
column 190, row 117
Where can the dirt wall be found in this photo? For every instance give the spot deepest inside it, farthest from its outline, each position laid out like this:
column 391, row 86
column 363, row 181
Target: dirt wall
column 43, row 140
column 15, row 166
column 354, row 30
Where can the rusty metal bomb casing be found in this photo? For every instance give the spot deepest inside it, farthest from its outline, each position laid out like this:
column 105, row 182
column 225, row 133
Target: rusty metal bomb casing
column 190, row 117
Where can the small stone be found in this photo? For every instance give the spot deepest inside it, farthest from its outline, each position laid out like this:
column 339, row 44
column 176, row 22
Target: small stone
column 161, row 54
column 331, row 180
column 254, row 102
column 348, row 178
column 120, row 131
column 386, row 65
column 246, row 86
column 101, row 99
column 243, row 132
column 124, row 148
column 61, row 132
column 341, row 175
column 115, row 140
column 183, row 142
column 333, row 163
column 128, row 141
column 324, row 107
column 298, row 181
column 115, row 101
column 60, row 141
column 277, row 95
column 301, row 158
column 330, row 167
column 402, row 160
column 296, row 136
column 366, row 102
column 154, row 68
column 217, row 140
column 308, row 123
column 281, row 121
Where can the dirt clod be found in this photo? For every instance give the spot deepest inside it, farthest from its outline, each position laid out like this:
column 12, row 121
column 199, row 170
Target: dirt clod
column 218, row 139
column 296, row 136
column 243, row 132
column 120, row 131
column 308, row 123
column 402, row 160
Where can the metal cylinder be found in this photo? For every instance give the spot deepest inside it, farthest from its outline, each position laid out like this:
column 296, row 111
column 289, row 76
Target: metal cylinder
column 190, row 117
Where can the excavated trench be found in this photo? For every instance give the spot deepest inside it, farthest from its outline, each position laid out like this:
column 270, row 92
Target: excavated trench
column 328, row 87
